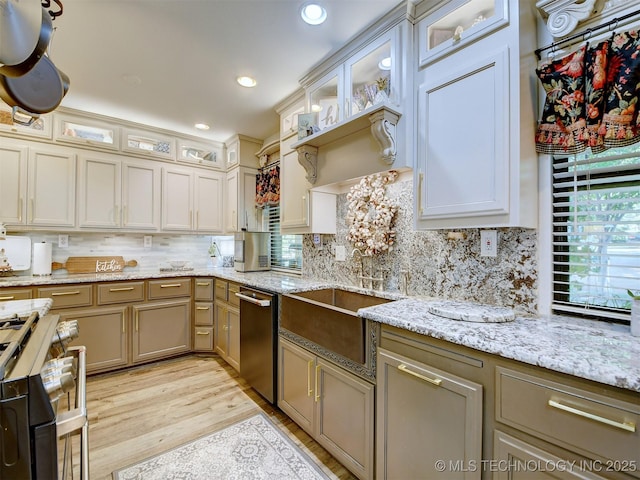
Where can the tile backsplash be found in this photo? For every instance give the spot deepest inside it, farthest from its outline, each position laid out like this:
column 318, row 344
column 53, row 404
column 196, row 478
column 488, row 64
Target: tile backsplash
column 436, row 265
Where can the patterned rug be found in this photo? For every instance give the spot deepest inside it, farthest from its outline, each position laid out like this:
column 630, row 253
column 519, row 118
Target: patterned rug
column 251, row 449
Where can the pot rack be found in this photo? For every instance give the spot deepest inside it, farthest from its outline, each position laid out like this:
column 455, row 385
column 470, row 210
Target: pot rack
column 586, row 34
column 54, row 14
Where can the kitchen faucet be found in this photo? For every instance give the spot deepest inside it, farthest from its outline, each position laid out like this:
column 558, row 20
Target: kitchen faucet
column 370, row 277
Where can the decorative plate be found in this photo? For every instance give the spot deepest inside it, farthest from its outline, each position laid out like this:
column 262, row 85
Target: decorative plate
column 471, row 312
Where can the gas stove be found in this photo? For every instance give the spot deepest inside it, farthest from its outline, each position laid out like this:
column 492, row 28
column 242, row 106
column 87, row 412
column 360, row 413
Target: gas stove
column 37, row 370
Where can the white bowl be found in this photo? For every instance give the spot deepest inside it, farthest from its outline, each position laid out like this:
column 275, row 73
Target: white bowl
column 177, row 263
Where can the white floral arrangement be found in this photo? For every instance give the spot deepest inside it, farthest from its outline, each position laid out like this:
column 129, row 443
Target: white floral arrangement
column 371, row 214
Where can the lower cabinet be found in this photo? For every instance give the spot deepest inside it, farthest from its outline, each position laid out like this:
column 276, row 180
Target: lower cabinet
column 334, row 406
column 227, row 337
column 104, row 331
column 161, row 329
column 429, row 422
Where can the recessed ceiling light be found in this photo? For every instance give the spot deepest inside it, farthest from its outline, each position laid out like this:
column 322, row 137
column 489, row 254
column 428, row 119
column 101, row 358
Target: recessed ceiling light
column 201, row 126
column 313, row 14
column 385, row 64
column 247, row 82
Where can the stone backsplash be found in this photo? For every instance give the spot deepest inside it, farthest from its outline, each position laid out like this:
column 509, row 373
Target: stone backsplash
column 436, row 266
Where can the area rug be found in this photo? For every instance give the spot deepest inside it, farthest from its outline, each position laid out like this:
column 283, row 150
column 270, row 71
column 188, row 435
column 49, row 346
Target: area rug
column 250, row 449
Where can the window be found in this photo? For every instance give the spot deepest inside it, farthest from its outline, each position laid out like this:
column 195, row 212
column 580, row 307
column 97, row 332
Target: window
column 596, row 232
column 286, row 250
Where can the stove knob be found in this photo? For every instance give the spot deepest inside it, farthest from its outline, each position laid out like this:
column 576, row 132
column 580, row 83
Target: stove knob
column 57, row 385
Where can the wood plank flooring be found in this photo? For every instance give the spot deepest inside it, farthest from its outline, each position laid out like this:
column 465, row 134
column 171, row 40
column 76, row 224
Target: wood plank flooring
column 147, row 410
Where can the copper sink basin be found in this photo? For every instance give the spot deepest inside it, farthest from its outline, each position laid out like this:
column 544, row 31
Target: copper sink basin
column 328, row 318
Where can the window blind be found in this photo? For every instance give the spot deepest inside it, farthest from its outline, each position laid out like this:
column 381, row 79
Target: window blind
column 286, row 250
column 596, row 232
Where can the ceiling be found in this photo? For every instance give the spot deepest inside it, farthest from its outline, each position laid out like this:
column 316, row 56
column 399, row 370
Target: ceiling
column 174, row 63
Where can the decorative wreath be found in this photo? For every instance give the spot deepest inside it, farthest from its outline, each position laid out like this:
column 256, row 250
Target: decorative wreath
column 371, row 214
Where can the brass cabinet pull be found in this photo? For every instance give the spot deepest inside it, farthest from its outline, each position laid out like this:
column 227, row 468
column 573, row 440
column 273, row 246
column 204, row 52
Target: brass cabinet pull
column 137, row 326
column 203, row 284
column 435, row 381
column 202, row 308
column 309, row 389
column 317, row 389
column 628, row 426
column 123, row 325
column 10, row 297
column 202, row 333
column 121, row 289
column 30, row 213
column 170, row 285
column 20, row 208
column 60, row 294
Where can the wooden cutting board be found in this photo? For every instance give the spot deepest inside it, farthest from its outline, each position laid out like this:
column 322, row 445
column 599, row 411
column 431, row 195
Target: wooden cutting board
column 103, row 264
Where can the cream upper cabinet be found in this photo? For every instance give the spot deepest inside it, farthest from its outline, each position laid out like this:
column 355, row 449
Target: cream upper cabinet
column 240, row 208
column 86, row 131
column 476, row 164
column 201, row 153
column 177, row 199
column 113, row 193
column 302, row 210
column 208, row 201
column 51, row 187
column 38, row 185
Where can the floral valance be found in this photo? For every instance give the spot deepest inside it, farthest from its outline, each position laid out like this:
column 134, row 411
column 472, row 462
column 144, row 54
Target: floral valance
column 268, row 186
column 592, row 97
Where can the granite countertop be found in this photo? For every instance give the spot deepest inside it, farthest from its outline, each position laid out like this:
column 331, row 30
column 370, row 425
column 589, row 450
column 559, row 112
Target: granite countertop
column 598, row 351
column 23, row 308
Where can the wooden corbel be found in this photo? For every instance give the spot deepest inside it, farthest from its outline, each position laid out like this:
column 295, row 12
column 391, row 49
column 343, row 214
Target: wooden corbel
column 383, row 129
column 308, row 158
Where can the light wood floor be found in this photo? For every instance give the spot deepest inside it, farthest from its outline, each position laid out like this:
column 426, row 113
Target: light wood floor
column 147, row 410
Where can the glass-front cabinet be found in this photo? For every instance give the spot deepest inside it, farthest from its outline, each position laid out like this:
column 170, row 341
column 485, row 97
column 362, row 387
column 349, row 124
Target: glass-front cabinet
column 200, row 153
column 78, row 130
column 371, row 75
column 148, row 143
column 458, row 23
column 326, row 100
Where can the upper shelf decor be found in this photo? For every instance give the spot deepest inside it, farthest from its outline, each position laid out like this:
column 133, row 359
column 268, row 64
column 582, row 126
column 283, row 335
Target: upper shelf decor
column 381, row 118
column 371, row 214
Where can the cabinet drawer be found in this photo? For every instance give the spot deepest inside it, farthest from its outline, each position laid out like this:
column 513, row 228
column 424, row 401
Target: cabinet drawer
column 120, row 292
column 203, row 313
column 221, row 290
column 578, row 420
column 203, row 338
column 233, row 289
column 169, row 288
column 17, row 294
column 203, row 289
column 68, row 296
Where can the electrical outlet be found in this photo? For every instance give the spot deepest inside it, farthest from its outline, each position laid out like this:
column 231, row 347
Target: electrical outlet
column 488, row 243
column 147, row 242
column 63, row 241
column 317, row 240
column 341, row 253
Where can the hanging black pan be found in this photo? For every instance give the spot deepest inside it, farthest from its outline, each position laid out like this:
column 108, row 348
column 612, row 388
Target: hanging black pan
column 25, row 33
column 36, row 92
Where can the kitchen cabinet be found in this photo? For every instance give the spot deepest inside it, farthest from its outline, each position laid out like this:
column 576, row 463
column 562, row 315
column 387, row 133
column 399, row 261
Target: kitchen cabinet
column 191, row 200
column 85, row 131
column 201, row 153
column 149, row 143
column 203, row 315
column 334, row 406
column 41, row 128
column 15, row 294
column 161, row 329
column 37, row 185
column 490, row 178
column 240, row 207
column 423, row 415
column 241, row 151
column 227, row 322
column 113, row 193
column 302, row 210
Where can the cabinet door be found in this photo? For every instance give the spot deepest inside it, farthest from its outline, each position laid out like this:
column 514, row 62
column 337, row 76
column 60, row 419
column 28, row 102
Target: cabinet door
column 294, row 206
column 463, row 142
column 344, row 422
column 52, row 188
column 521, row 460
column 161, row 330
column 99, row 191
column 424, row 415
column 233, row 345
column 203, row 339
column 141, row 195
column 13, row 183
column 208, row 202
column 231, row 205
column 296, row 384
column 177, row 199
column 104, row 332
column 203, row 314
column 240, row 211
column 222, row 331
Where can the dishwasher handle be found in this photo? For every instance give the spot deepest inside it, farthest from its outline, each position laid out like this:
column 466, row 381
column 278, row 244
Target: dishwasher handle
column 255, row 301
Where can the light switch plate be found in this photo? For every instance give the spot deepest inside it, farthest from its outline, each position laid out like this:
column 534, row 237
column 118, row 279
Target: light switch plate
column 341, row 253
column 148, row 241
column 63, row 241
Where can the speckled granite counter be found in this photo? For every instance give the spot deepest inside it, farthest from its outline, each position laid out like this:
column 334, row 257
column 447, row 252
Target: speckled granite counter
column 592, row 350
column 25, row 307
column 595, row 351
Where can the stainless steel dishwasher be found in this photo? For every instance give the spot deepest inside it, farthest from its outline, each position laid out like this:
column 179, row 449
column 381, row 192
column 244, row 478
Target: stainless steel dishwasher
column 258, row 340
